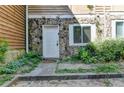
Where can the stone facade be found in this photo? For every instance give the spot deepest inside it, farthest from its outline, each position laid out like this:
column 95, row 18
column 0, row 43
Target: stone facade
column 12, row 55
column 35, row 31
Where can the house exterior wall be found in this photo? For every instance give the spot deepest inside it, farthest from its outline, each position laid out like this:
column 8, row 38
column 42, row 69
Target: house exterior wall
column 35, row 28
column 12, row 25
column 12, row 29
column 117, row 8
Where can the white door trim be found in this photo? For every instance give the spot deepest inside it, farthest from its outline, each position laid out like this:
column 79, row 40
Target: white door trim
column 43, row 26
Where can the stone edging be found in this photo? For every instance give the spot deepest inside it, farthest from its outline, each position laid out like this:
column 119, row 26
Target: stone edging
column 61, row 77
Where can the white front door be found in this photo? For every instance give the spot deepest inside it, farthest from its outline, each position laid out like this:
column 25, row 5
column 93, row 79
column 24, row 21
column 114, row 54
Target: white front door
column 50, row 41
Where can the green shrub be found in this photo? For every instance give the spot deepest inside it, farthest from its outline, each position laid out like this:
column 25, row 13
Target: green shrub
column 3, row 49
column 91, row 48
column 110, row 50
column 104, row 51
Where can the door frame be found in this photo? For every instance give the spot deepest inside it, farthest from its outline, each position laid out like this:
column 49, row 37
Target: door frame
column 43, row 26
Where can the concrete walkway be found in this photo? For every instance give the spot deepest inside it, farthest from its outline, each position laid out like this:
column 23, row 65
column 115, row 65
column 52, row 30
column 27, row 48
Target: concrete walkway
column 48, row 69
column 44, row 69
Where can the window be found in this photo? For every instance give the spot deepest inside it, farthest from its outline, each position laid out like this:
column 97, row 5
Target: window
column 118, row 29
column 81, row 34
column 77, row 34
column 86, row 34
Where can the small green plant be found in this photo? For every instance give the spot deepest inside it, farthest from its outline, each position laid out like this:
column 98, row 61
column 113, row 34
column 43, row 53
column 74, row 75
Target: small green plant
column 84, row 55
column 3, row 49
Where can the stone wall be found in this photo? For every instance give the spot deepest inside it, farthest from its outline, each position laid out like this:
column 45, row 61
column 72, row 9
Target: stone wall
column 35, row 31
column 12, row 55
column 108, row 23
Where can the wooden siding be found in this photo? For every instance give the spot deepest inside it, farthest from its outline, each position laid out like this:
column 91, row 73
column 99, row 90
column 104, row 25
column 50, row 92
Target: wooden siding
column 66, row 10
column 48, row 10
column 72, row 9
column 12, row 25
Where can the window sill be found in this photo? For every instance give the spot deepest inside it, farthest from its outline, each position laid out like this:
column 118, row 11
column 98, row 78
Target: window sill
column 81, row 44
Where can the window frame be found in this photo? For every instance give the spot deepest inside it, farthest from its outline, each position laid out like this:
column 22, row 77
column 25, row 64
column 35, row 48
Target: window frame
column 71, row 34
column 114, row 28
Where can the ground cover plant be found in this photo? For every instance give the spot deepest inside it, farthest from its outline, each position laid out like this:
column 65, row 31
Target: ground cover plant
column 30, row 59
column 23, row 64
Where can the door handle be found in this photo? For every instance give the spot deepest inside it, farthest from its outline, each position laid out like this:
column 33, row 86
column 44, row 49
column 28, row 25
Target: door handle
column 57, row 43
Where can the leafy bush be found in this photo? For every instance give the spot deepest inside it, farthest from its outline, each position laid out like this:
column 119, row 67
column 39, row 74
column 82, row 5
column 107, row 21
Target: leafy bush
column 3, row 49
column 110, row 50
column 91, row 48
column 105, row 51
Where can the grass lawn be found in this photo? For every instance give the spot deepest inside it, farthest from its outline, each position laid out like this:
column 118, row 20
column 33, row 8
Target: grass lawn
column 101, row 68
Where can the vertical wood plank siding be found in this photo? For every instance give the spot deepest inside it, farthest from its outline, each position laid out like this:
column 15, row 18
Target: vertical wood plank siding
column 12, row 25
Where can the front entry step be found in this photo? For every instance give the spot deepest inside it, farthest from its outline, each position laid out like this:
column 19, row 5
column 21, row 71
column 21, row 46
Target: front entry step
column 50, row 60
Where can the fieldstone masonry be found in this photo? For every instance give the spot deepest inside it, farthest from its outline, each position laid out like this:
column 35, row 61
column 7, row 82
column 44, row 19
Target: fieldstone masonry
column 35, row 31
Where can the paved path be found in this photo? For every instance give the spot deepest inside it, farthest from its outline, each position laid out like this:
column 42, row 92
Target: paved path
column 115, row 82
column 44, row 69
column 49, row 69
